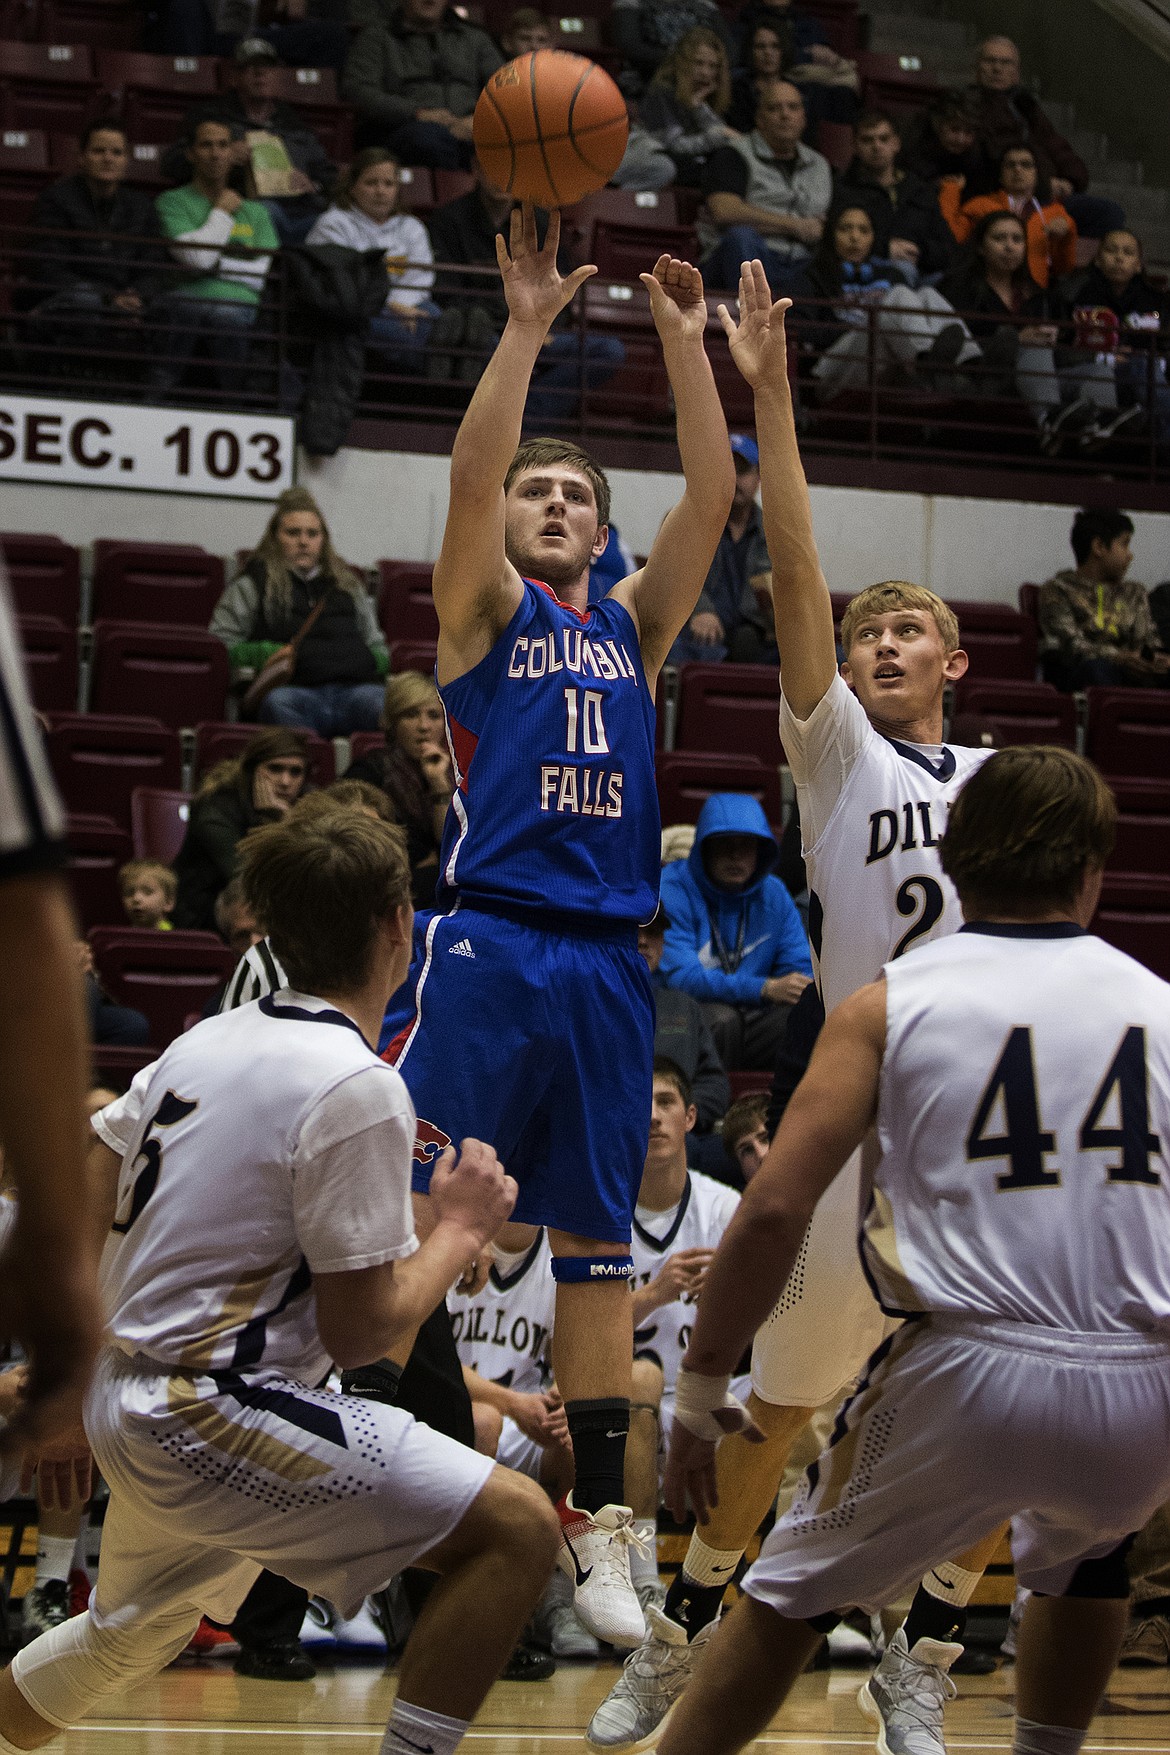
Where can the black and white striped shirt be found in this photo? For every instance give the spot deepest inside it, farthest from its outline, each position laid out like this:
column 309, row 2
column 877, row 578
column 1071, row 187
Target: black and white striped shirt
column 256, row 975
column 32, row 817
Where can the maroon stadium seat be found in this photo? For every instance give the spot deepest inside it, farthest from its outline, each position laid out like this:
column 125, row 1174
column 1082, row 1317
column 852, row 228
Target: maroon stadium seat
column 639, row 387
column 20, row 20
column 1129, row 731
column 365, row 743
column 44, row 575
column 50, row 656
column 1143, row 825
column 577, row 32
column 98, row 759
column 158, row 822
column 746, row 1084
column 406, row 608
column 645, row 210
column 732, row 709
column 998, row 639
column 687, row 778
column 887, row 85
column 167, row 975
column 840, row 21
column 24, row 172
column 1029, row 599
column 1134, row 915
column 221, row 740
column 47, row 85
column 178, row 675
column 155, row 582
column 309, row 86
column 450, row 185
column 102, row 24
column 1021, row 712
column 412, row 655
column 416, row 188
column 98, row 849
column 190, row 76
column 115, row 1065
column 835, row 142
column 623, row 252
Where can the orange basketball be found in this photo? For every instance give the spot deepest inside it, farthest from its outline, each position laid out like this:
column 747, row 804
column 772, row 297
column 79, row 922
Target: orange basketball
column 550, row 127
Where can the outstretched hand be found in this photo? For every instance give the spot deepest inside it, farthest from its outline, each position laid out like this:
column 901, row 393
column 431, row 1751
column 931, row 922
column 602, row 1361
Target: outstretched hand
column 534, row 287
column 758, row 343
column 676, row 298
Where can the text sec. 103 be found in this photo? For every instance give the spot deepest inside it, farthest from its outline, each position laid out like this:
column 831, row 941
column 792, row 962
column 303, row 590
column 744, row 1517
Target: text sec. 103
column 224, row 455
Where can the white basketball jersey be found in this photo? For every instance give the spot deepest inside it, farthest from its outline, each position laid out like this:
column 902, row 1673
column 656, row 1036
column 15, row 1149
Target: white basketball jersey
column 1023, row 1129
column 697, row 1222
column 504, row 1331
column 872, row 812
column 265, row 1145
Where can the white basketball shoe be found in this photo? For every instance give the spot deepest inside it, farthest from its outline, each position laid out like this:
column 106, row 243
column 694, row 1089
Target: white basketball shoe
column 595, row 1554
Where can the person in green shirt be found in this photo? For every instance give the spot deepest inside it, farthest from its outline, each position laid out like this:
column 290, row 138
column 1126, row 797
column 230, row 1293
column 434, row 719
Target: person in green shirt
column 225, row 243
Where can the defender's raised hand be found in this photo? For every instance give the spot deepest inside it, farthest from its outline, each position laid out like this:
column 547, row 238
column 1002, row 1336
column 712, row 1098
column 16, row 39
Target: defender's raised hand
column 676, row 298
column 758, row 343
column 534, row 287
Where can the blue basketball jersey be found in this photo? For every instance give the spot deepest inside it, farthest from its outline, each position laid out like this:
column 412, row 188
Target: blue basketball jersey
column 552, row 733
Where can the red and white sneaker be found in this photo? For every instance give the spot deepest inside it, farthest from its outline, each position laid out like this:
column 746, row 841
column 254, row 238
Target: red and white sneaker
column 595, row 1554
column 79, row 1592
column 208, row 1641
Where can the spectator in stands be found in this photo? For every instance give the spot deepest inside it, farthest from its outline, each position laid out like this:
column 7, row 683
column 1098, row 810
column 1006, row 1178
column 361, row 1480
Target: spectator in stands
column 304, row 33
column 1096, row 626
column 258, row 786
column 763, row 55
column 903, row 209
column 644, row 33
column 916, row 333
column 364, row 216
column 1009, row 115
column 735, row 942
column 226, row 244
column 414, row 770
column 686, row 102
column 681, row 1032
column 463, row 233
column 745, row 1134
column 767, row 196
column 101, row 262
column 236, row 925
column 829, row 81
column 525, row 31
column 1052, row 235
column 1014, row 321
column 414, row 75
column 293, row 574
column 1121, row 324
column 148, row 889
column 251, row 106
column 733, row 617
column 943, row 141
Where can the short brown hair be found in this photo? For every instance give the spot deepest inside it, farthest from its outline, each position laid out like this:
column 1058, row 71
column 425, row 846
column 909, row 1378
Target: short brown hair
column 544, row 453
column 1025, row 829
column 359, row 795
column 357, row 168
column 899, row 594
column 140, row 868
column 672, row 1073
column 323, row 881
column 745, row 1116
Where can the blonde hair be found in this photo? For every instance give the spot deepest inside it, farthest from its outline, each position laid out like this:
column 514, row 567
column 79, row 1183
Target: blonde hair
column 404, row 692
column 1026, row 828
column 677, row 71
column 899, row 594
column 277, row 580
column 134, row 869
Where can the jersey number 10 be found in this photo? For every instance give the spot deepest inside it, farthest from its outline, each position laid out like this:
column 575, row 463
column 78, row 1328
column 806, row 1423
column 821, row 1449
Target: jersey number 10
column 583, row 722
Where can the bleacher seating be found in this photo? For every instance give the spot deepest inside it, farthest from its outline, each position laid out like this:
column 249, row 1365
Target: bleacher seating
column 50, row 656
column 1020, row 712
column 101, row 24
column 406, row 608
column 639, row 387
column 158, row 822
column 166, row 975
column 999, row 641
column 730, row 707
column 1134, row 915
column 171, row 582
column 178, row 675
column 222, row 740
column 44, row 575
column 47, row 86
column 1143, row 824
column 687, row 778
column 1129, row 731
column 98, row 759
column 24, row 171
column 153, row 93
column 413, row 655
column 98, row 848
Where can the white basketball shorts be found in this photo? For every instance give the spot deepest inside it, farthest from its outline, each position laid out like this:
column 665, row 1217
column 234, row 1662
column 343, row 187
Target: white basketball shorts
column 961, row 1425
column 516, row 1451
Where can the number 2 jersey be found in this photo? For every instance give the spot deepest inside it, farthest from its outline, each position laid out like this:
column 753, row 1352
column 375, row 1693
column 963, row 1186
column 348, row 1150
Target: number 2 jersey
column 872, row 812
column 265, row 1145
column 1023, row 1129
column 552, row 734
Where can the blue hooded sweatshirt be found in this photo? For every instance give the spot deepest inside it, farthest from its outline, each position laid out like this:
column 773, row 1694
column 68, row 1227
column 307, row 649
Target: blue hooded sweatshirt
column 724, row 944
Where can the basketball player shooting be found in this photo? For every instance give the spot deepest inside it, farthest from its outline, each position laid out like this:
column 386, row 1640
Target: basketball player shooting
column 1020, row 1220
column 528, row 1006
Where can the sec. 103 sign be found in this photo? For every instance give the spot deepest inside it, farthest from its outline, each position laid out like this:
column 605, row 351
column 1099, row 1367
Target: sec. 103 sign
column 171, row 450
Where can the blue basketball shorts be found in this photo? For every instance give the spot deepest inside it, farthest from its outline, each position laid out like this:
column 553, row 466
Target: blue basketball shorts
column 539, row 1040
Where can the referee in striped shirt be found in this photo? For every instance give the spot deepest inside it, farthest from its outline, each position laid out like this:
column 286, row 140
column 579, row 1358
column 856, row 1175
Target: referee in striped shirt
column 48, row 1280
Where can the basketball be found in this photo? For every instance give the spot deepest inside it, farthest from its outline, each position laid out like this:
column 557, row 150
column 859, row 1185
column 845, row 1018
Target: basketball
column 550, row 127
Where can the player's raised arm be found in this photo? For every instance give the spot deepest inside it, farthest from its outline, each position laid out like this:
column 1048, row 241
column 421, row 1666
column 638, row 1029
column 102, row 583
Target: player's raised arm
column 800, row 596
column 476, row 588
column 662, row 596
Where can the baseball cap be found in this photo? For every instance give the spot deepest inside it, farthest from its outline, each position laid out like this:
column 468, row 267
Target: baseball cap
column 743, row 445
column 254, row 49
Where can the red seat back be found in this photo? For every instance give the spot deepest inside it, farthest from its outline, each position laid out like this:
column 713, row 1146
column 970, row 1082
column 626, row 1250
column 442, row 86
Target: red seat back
column 1129, row 731
column 413, row 655
column 310, row 86
column 44, row 575
column 103, row 24
column 98, row 849
column 732, row 709
column 623, row 252
column 155, row 582
column 50, row 656
column 1134, row 915
column 98, row 760
column 1020, row 712
column 167, row 975
column 158, row 822
column 190, row 76
column 1029, row 597
column 687, row 778
column 406, row 607
column 999, row 641
column 178, row 675
column 1143, row 825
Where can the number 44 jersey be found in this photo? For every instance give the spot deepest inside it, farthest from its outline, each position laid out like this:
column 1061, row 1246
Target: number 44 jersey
column 872, row 813
column 1022, row 1130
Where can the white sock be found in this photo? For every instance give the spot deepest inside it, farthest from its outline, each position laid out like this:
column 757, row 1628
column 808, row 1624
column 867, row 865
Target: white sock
column 644, row 1567
column 951, row 1584
column 422, row 1732
column 710, row 1566
column 54, row 1558
column 1037, row 1739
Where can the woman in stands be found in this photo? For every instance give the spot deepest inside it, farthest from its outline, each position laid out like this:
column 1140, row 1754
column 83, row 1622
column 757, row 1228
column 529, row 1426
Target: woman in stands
column 1051, row 229
column 256, row 787
column 1121, row 324
column 764, row 57
column 334, row 687
column 1014, row 321
column 364, row 216
column 687, row 101
column 414, row 770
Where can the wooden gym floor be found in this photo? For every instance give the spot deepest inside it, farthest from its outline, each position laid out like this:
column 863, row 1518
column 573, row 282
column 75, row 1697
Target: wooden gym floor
column 208, row 1710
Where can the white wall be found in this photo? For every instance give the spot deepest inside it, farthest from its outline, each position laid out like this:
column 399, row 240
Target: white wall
column 383, row 504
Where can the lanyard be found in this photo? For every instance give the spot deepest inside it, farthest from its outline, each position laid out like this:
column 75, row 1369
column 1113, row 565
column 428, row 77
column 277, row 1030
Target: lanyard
column 729, row 962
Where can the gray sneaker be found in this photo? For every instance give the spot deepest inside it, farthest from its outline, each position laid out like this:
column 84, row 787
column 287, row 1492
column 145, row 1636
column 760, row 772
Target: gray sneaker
column 906, row 1694
column 651, row 1593
column 556, row 1625
column 1148, row 1642
column 653, row 1676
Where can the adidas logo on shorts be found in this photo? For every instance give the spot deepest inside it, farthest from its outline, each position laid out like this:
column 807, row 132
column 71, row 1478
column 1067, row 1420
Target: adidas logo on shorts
column 461, row 948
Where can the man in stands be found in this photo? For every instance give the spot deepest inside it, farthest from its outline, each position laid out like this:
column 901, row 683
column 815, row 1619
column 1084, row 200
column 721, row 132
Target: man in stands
column 767, row 196
column 903, row 209
column 252, row 105
column 1096, row 626
column 730, row 618
column 226, row 244
column 1008, row 115
column 414, row 74
column 99, row 261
